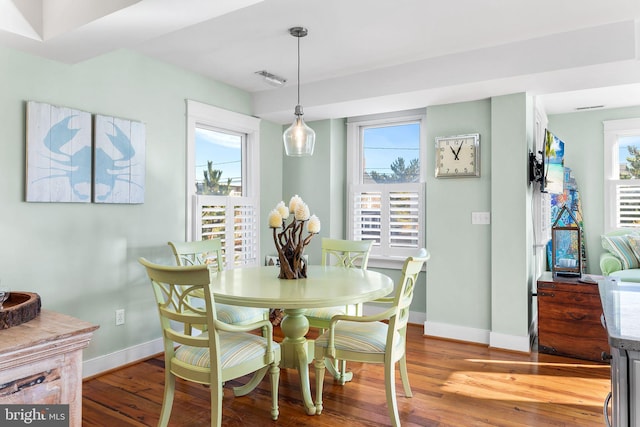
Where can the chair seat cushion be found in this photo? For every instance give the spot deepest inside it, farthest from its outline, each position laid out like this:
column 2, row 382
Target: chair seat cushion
column 361, row 337
column 235, row 348
column 324, row 313
column 236, row 315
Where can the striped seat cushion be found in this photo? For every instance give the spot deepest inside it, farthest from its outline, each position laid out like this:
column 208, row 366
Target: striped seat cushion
column 234, row 314
column 235, row 348
column 359, row 337
column 324, row 313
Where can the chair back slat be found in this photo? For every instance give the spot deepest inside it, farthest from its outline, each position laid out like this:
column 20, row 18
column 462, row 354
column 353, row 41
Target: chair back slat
column 404, row 295
column 175, row 289
column 346, row 253
column 198, row 252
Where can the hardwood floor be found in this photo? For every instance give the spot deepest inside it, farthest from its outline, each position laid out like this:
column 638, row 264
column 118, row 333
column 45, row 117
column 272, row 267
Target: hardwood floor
column 453, row 383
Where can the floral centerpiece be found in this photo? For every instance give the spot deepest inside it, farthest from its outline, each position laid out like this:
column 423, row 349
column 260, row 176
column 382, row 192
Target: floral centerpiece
column 290, row 242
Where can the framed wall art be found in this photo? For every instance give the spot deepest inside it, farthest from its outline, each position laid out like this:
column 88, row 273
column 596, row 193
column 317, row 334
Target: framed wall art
column 119, row 160
column 58, row 154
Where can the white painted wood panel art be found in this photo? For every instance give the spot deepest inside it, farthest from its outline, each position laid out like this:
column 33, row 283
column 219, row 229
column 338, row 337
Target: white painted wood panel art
column 58, row 154
column 119, row 160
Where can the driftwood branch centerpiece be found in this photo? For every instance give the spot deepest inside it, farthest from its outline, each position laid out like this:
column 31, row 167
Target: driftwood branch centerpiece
column 290, row 242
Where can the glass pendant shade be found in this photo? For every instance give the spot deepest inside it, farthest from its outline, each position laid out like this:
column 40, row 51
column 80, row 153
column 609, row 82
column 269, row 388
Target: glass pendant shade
column 299, row 139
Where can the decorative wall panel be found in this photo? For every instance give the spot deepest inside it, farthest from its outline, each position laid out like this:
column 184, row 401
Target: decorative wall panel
column 58, row 154
column 119, row 160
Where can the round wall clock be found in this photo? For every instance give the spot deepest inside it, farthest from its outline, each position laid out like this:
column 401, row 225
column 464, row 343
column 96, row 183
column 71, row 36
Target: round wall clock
column 458, row 156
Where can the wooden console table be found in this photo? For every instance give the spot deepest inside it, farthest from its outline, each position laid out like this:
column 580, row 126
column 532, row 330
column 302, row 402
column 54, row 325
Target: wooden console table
column 41, row 362
column 569, row 314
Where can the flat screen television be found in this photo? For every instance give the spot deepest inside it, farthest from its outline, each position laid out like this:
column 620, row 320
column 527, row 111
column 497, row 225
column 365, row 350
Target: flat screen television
column 549, row 170
column 553, row 163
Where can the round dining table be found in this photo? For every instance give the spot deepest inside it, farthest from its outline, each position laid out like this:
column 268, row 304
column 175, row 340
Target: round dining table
column 323, row 287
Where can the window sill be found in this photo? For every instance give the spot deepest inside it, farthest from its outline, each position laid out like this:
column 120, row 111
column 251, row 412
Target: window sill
column 390, row 263
column 386, row 262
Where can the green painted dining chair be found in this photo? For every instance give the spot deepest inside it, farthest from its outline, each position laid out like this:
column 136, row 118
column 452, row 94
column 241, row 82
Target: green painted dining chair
column 379, row 338
column 348, row 254
column 222, row 353
column 210, row 252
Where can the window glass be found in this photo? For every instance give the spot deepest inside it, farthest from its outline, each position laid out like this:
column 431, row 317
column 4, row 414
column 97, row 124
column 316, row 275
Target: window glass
column 629, row 157
column 391, row 153
column 218, row 163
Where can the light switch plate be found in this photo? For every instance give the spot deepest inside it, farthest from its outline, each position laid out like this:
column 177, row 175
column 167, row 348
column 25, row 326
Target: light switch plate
column 480, row 218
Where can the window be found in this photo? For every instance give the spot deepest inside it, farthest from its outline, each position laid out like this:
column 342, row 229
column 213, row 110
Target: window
column 223, row 181
column 386, row 164
column 622, row 174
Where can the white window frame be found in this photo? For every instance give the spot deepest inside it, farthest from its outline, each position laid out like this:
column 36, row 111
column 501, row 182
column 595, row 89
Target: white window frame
column 613, row 130
column 383, row 256
column 204, row 115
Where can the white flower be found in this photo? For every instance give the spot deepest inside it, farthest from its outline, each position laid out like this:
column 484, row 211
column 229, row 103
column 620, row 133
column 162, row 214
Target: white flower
column 302, row 212
column 282, row 209
column 275, row 219
column 294, row 202
column 314, row 225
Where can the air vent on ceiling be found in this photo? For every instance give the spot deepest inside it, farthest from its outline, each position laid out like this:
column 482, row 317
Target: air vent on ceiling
column 590, row 107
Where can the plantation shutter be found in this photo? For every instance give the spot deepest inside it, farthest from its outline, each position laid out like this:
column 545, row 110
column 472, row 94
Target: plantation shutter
column 233, row 220
column 390, row 216
column 628, row 203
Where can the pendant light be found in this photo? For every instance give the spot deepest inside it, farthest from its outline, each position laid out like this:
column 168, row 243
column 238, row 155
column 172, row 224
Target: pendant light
column 299, row 138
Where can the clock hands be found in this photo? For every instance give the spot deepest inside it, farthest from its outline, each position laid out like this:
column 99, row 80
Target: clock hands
column 455, row 153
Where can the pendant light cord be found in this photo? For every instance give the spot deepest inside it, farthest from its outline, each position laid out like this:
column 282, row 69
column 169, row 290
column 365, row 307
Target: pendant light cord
column 298, row 70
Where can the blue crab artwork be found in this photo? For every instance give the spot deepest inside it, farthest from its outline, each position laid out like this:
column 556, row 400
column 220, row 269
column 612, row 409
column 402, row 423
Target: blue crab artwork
column 62, row 167
column 58, row 154
column 118, row 161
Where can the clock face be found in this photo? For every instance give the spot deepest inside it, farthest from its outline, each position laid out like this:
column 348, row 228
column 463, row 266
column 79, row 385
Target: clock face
column 458, row 156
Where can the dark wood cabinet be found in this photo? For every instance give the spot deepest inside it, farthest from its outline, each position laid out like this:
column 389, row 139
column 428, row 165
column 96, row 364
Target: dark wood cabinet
column 569, row 322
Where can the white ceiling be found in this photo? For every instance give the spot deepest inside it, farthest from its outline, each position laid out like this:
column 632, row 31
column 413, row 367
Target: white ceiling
column 361, row 56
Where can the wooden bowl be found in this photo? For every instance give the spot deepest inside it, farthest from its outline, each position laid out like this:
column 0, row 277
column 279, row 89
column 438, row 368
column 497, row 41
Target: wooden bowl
column 19, row 308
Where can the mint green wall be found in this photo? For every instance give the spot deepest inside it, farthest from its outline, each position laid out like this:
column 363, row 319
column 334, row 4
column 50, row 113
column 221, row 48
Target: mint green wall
column 319, row 180
column 271, row 171
column 459, row 271
column 81, row 258
column 583, row 135
column 337, row 173
column 511, row 244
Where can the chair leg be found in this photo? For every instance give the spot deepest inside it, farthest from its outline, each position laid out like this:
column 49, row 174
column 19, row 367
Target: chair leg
column 274, row 373
column 405, row 376
column 344, row 375
column 319, row 365
column 253, row 383
column 338, row 370
column 390, row 390
column 216, row 404
column 167, row 400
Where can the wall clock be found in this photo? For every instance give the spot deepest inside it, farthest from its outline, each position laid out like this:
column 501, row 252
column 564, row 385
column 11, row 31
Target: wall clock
column 458, row 156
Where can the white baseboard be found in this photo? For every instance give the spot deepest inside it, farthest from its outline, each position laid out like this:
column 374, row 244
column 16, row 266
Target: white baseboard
column 454, row 332
column 480, row 336
column 510, row 342
column 122, row 357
